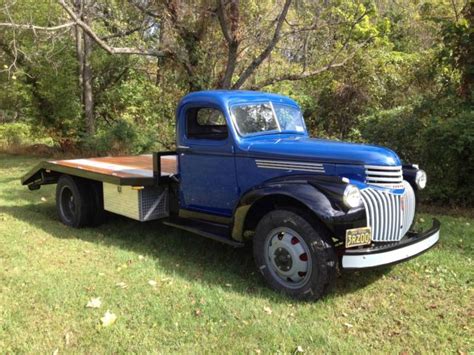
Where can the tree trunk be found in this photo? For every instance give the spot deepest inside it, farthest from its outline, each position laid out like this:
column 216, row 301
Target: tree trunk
column 80, row 58
column 83, row 52
column 88, row 96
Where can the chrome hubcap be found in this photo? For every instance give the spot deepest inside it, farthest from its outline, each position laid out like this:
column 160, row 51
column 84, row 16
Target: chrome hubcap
column 288, row 256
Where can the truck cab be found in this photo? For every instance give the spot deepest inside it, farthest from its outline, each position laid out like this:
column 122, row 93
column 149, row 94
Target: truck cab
column 245, row 170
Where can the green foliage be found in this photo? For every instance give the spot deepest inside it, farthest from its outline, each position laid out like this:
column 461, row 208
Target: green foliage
column 398, row 128
column 409, row 87
column 448, row 153
column 458, row 50
column 120, row 138
column 14, row 134
column 17, row 134
column 437, row 135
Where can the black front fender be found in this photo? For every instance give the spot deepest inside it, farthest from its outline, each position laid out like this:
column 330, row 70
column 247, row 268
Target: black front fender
column 320, row 195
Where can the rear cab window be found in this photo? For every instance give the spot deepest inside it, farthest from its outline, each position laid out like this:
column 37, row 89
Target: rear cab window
column 206, row 123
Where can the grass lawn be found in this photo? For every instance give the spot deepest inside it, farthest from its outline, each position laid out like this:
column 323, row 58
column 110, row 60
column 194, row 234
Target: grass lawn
column 205, row 296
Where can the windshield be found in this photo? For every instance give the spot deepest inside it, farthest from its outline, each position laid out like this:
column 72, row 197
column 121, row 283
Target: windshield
column 267, row 117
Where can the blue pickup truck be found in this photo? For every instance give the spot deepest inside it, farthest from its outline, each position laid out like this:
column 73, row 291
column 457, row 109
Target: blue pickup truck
column 246, row 171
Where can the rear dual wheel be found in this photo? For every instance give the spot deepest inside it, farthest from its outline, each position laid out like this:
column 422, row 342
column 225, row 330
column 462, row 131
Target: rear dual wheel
column 79, row 202
column 295, row 257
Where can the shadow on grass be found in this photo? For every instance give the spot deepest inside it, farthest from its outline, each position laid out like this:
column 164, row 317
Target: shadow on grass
column 177, row 252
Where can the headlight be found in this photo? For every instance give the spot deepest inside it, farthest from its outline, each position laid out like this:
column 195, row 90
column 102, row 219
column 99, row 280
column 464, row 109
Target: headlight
column 352, row 197
column 421, row 179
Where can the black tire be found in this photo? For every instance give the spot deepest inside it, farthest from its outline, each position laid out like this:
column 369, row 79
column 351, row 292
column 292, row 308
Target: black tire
column 319, row 268
column 97, row 209
column 75, row 202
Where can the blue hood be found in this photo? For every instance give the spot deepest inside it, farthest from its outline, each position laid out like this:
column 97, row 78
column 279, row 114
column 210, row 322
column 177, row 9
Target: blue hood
column 320, row 150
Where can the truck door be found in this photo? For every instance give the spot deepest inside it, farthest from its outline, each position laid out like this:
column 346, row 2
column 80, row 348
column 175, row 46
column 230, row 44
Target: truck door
column 208, row 181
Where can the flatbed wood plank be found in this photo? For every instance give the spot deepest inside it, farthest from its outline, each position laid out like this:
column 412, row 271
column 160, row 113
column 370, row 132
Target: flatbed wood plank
column 140, row 166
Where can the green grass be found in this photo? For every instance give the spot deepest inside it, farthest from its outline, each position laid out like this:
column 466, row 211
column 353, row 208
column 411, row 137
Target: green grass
column 208, row 296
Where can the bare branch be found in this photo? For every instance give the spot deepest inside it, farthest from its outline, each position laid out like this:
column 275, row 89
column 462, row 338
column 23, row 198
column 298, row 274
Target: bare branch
column 223, row 21
column 111, row 50
column 231, row 37
column 307, row 74
column 266, row 52
column 125, row 33
column 331, row 65
column 455, row 10
column 36, row 28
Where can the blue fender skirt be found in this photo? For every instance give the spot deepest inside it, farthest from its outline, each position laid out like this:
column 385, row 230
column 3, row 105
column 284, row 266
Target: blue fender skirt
column 386, row 254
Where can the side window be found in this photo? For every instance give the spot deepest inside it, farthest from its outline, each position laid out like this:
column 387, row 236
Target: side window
column 210, row 117
column 205, row 123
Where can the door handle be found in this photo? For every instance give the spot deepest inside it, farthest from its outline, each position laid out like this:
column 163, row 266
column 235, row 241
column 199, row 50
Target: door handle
column 183, row 148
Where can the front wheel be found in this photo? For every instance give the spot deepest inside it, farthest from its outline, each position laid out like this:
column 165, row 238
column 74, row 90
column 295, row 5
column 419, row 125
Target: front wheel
column 294, row 257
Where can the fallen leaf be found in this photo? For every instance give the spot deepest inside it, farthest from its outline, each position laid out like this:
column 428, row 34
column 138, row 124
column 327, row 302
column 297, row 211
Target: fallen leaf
column 121, row 284
column 152, row 283
column 197, row 312
column 267, row 310
column 94, row 303
column 67, row 338
column 299, row 349
column 108, row 319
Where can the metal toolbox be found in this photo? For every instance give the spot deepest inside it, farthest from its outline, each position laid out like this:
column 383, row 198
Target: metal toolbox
column 140, row 203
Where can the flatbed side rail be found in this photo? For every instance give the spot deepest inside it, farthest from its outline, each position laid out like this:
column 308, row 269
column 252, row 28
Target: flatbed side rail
column 157, row 173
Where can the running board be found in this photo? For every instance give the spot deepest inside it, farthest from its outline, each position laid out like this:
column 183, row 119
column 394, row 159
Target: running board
column 208, row 230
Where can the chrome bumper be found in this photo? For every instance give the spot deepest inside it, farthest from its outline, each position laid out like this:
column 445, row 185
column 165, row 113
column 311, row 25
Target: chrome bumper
column 392, row 253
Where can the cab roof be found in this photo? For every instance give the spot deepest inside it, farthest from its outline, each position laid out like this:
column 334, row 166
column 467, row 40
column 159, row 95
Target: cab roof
column 232, row 97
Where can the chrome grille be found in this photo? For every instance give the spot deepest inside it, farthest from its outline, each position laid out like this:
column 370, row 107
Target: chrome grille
column 386, row 176
column 389, row 215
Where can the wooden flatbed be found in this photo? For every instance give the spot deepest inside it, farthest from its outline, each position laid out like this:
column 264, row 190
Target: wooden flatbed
column 126, row 170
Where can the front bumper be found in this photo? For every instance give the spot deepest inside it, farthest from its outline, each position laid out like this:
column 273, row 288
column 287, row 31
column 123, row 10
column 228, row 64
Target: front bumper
column 386, row 254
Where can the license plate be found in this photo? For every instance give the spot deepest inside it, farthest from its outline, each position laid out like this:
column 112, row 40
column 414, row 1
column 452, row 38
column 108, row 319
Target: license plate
column 358, row 236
